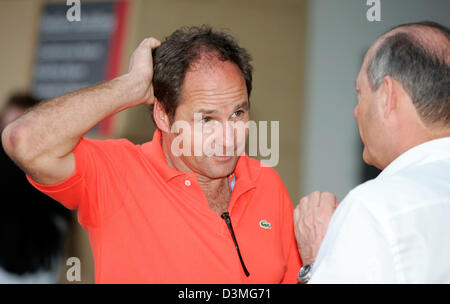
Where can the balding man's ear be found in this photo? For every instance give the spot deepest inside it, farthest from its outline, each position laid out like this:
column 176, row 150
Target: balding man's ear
column 160, row 116
column 388, row 95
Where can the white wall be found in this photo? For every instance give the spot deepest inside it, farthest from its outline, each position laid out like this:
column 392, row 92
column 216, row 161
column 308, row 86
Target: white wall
column 338, row 35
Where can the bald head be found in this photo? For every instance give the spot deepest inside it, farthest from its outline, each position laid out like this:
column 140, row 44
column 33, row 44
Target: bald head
column 418, row 56
column 432, row 37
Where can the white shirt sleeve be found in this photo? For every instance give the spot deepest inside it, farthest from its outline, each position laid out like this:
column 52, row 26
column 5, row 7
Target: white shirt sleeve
column 355, row 248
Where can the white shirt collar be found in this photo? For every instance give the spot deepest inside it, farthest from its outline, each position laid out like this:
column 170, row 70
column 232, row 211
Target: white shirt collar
column 428, row 151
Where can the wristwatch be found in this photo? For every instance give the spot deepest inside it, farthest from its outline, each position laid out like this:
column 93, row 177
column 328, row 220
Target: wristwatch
column 304, row 275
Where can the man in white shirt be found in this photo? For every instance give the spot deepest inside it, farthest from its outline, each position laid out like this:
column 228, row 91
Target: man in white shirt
column 396, row 227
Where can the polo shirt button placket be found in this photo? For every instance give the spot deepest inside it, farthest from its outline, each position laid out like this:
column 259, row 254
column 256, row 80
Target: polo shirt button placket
column 187, row 182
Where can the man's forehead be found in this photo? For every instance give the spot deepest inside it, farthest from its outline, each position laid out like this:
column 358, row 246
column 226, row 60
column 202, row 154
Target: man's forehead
column 213, row 108
column 212, row 72
column 224, row 80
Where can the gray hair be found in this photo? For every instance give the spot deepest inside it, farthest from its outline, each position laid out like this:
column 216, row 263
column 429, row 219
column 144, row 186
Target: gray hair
column 421, row 67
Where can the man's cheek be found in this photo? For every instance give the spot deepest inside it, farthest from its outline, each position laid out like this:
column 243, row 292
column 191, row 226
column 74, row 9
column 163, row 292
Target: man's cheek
column 240, row 141
column 182, row 143
column 198, row 140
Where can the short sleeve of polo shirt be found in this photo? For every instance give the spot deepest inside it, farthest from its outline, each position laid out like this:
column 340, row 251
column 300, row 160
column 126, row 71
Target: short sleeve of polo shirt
column 96, row 188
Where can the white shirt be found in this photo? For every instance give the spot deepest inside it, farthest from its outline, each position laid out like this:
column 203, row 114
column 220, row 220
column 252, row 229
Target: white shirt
column 394, row 228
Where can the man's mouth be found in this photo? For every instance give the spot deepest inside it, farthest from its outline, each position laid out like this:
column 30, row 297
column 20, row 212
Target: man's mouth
column 222, row 158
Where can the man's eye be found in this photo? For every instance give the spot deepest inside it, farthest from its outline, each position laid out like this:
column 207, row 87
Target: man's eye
column 237, row 114
column 205, row 119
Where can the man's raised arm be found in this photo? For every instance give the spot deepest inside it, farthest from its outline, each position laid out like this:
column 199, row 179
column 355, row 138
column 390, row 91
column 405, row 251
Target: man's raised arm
column 42, row 140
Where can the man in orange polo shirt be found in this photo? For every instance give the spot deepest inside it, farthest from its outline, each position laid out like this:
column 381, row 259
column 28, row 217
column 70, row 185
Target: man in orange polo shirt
column 155, row 215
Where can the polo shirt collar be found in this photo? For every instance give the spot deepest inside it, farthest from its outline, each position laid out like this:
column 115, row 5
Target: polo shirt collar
column 246, row 171
column 153, row 150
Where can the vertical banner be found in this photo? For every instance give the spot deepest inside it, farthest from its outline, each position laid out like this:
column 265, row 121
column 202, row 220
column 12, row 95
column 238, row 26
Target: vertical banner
column 75, row 54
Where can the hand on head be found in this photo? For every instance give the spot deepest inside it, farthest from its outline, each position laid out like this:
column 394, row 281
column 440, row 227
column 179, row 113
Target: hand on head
column 141, row 68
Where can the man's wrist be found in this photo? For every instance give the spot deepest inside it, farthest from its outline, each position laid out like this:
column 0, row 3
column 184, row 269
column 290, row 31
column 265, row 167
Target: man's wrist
column 306, row 259
column 134, row 89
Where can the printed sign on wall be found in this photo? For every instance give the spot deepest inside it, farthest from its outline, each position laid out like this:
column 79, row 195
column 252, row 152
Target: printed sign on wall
column 76, row 54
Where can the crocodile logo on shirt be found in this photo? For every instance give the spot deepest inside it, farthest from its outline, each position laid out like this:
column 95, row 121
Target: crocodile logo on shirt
column 265, row 224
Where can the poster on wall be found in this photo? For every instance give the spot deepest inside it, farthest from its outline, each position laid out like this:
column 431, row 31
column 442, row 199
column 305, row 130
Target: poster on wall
column 74, row 53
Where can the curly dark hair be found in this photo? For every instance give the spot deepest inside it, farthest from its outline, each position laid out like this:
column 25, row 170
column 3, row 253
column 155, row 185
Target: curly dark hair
column 179, row 51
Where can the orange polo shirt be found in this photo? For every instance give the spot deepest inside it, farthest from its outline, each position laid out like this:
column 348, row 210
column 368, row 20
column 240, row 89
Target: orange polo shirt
column 149, row 223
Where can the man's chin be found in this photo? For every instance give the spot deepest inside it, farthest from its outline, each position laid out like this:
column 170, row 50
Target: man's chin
column 369, row 160
column 221, row 166
column 366, row 157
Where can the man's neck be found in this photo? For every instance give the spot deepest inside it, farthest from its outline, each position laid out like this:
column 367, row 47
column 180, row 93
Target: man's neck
column 441, row 132
column 416, row 137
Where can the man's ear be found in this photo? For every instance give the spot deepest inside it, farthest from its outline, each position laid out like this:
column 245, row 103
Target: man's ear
column 160, row 116
column 388, row 95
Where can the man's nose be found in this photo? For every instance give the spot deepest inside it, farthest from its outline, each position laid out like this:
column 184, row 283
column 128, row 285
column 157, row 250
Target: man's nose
column 227, row 135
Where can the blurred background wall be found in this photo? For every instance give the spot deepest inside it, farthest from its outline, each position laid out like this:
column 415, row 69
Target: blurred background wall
column 306, row 58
